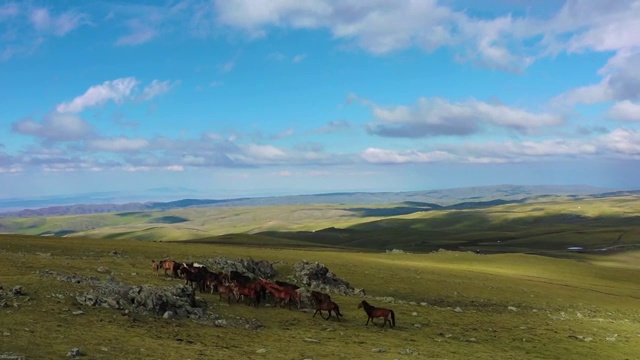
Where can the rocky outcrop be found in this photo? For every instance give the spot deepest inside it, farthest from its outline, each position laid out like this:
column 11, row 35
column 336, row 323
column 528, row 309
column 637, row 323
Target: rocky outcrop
column 249, row 267
column 316, row 276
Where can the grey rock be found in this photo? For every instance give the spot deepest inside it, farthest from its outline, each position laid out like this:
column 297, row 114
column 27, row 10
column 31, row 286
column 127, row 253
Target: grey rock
column 75, row 352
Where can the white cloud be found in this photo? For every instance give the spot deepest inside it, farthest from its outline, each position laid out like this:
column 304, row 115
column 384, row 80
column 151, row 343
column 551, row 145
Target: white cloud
column 298, row 58
column 435, row 117
column 228, row 66
column 118, row 91
column 625, row 110
column 9, row 10
column 140, row 34
column 176, row 168
column 376, row 155
column 59, row 25
column 505, row 42
column 156, row 88
column 55, row 127
column 622, row 141
column 118, row 144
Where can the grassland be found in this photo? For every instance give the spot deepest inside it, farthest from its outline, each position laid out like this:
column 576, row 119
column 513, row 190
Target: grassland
column 502, row 306
column 512, row 303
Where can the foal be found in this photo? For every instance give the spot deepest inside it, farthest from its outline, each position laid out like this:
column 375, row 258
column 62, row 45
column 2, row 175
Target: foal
column 374, row 312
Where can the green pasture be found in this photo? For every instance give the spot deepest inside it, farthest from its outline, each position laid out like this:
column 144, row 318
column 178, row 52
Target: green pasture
column 454, row 305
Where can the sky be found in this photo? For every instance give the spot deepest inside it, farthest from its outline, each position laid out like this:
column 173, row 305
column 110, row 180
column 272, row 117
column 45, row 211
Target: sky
column 237, row 98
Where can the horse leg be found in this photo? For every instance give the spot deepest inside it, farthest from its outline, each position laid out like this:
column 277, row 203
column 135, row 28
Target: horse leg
column 367, row 321
column 314, row 314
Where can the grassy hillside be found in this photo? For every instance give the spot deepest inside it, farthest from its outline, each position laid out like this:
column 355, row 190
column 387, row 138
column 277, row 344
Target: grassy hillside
column 547, row 225
column 449, row 305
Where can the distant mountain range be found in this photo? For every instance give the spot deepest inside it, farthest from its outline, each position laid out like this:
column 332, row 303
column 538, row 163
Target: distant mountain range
column 459, row 198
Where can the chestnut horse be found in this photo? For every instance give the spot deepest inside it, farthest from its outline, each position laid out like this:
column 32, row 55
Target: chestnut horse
column 169, row 265
column 375, row 312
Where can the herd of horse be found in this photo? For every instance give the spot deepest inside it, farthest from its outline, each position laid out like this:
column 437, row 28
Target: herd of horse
column 244, row 288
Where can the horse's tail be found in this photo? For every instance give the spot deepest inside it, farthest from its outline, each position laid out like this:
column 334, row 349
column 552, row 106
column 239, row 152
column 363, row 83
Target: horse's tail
column 393, row 318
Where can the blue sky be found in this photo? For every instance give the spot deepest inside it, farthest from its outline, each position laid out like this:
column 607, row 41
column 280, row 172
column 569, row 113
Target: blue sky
column 242, row 98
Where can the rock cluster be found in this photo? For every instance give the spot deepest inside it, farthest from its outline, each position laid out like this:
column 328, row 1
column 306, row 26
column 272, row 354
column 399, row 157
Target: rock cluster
column 317, row 276
column 180, row 300
column 249, row 267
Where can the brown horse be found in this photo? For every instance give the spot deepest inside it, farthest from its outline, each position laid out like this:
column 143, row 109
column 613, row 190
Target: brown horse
column 318, row 296
column 169, row 265
column 327, row 306
column 155, row 266
column 375, row 312
column 224, row 290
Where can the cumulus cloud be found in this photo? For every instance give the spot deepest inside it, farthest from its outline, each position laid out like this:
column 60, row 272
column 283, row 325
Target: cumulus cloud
column 484, row 153
column 436, row 117
column 55, row 127
column 113, row 90
column 380, row 27
column 118, row 144
column 117, row 90
column 622, row 141
column 625, row 110
column 376, row 155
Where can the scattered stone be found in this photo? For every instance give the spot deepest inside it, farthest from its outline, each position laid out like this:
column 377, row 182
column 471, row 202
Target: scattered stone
column 134, row 274
column 261, row 351
column 17, row 291
column 75, row 352
column 10, row 356
column 168, row 315
column 457, row 309
column 115, row 253
column 414, row 313
column 311, row 340
column 79, row 312
column 612, row 338
column 379, row 350
column 424, row 304
column 102, row 269
column 512, row 308
column 580, row 337
column 417, row 326
column 6, row 333
column 408, row 352
column 396, row 251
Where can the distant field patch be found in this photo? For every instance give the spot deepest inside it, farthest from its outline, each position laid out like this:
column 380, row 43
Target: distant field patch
column 132, row 213
column 168, row 220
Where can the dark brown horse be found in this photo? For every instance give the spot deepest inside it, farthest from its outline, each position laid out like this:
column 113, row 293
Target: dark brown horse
column 323, row 302
column 318, row 296
column 375, row 312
